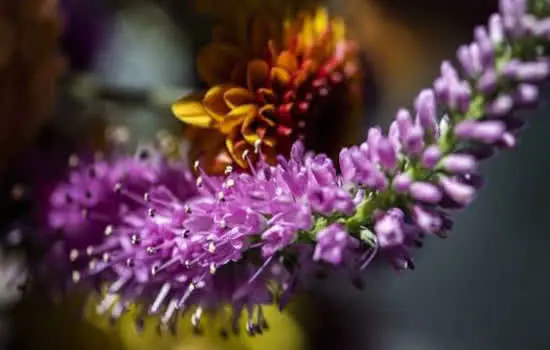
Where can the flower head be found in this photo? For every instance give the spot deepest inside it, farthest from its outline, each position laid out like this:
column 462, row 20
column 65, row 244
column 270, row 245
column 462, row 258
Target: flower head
column 80, row 211
column 266, row 94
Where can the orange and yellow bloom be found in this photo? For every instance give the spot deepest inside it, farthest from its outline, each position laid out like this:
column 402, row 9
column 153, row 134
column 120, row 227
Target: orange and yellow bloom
column 266, row 85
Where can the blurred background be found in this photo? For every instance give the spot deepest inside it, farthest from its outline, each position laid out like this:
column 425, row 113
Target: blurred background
column 120, row 64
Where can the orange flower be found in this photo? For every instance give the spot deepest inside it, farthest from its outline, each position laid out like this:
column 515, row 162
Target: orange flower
column 264, row 95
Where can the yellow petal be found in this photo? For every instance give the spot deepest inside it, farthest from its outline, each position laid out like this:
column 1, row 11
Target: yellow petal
column 216, row 61
column 302, row 76
column 338, row 30
column 236, row 117
column 256, row 74
column 236, row 148
column 307, row 35
column 248, row 130
column 251, row 125
column 269, row 140
column 288, row 61
column 321, row 21
column 267, row 95
column 237, row 96
column 214, row 102
column 191, row 111
column 266, row 114
column 280, row 76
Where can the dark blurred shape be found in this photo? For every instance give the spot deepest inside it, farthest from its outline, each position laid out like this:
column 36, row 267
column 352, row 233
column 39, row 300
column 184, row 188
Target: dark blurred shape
column 85, row 24
column 470, row 12
column 29, row 67
column 41, row 324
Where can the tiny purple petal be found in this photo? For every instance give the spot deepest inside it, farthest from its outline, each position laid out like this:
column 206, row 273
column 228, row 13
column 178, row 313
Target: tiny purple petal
column 297, row 152
column 331, row 243
column 323, row 170
column 425, row 106
column 458, row 192
column 425, row 192
column 487, row 83
column 465, row 58
column 415, row 140
column 346, row 165
column 429, row 221
column 389, row 231
column 402, row 183
column 276, row 238
column 508, row 140
column 373, row 138
column 431, row 157
column 500, row 106
column 496, row 30
column 526, row 94
column 386, row 154
column 486, row 131
column 459, row 163
column 485, row 46
column 404, row 123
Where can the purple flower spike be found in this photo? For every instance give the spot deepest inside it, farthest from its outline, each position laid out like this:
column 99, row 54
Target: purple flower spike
column 154, row 236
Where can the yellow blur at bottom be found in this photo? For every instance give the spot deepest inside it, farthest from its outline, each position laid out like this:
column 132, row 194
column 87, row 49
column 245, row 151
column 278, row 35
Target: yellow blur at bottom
column 75, row 324
column 284, row 333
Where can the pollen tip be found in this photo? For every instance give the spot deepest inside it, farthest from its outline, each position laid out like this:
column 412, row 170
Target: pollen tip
column 117, row 187
column 73, row 161
column 76, row 276
column 108, row 230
